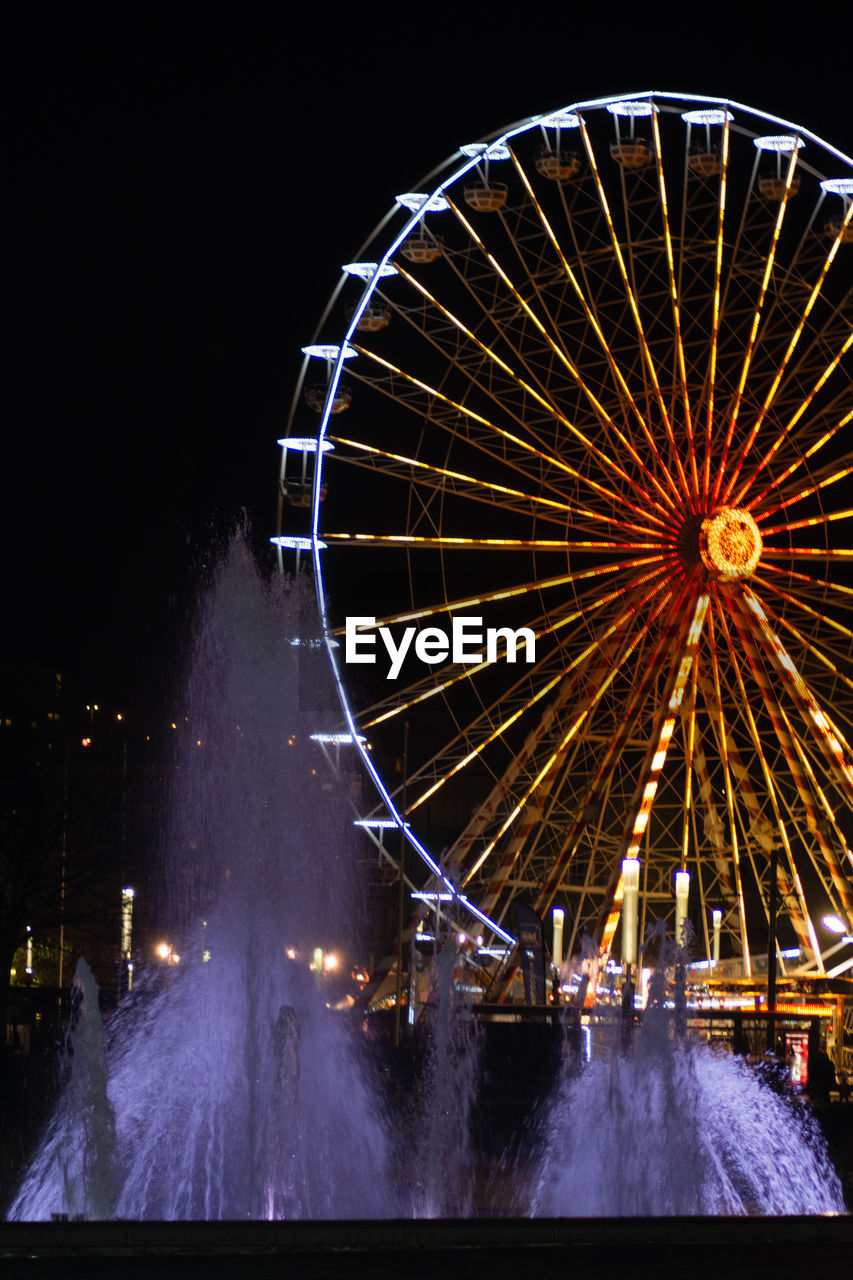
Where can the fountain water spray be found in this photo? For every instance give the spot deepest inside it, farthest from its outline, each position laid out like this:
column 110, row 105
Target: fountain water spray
column 236, row 1092
column 444, row 1172
column 673, row 1128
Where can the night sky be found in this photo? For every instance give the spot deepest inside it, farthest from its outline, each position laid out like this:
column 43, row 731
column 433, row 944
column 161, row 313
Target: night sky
column 178, row 204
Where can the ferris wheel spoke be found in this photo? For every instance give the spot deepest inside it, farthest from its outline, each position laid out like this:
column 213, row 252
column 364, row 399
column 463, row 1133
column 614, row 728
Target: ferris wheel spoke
column 510, row 703
column 608, row 673
column 761, row 829
column 808, row 553
column 676, row 312
column 558, row 350
column 579, row 476
column 650, row 774
column 821, row 657
column 823, row 618
column 486, row 813
column 813, row 488
column 829, row 820
column 488, row 353
column 534, row 817
column 649, row 364
column 798, row 462
column 519, row 853
column 659, row 658
column 746, row 848
column 432, row 483
column 508, row 340
column 475, row 752
column 828, row 737
column 607, row 420
column 809, row 757
column 795, row 338
column 428, row 687
column 623, row 387
column 417, row 694
column 817, row 362
column 423, row 690
column 391, row 540
column 714, row 828
column 578, row 661
column 819, row 826
column 433, row 393
column 756, row 321
column 716, row 716
column 420, row 693
column 821, row 585
column 536, row 500
column 809, row 522
column 511, row 406
column 688, row 728
column 715, row 314
column 657, row 758
column 508, row 592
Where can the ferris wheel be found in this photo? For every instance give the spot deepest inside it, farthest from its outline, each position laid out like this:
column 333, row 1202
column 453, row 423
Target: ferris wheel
column 589, row 417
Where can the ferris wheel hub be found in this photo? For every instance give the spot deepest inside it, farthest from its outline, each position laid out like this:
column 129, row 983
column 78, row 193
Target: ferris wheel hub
column 730, row 544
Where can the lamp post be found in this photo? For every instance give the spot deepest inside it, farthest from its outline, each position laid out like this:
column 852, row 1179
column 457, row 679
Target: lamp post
column 401, row 897
column 558, row 915
column 772, row 908
column 630, row 903
column 682, row 894
column 127, row 896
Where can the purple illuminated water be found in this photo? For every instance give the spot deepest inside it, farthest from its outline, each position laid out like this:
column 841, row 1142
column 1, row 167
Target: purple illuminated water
column 74, row 1172
column 228, row 1089
column 443, row 1174
column 672, row 1129
column 236, row 1092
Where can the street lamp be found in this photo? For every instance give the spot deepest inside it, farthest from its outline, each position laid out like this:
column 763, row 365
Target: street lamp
column 127, row 896
column 682, row 893
column 558, row 915
column 630, row 903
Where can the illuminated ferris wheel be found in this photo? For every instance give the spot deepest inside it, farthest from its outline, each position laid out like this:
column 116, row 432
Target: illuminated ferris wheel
column 595, row 389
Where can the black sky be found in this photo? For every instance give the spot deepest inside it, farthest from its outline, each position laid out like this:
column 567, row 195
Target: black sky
column 179, row 201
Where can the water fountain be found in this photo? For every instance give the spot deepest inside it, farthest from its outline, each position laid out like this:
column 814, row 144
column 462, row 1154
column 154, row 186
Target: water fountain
column 671, row 1128
column 236, row 1092
column 227, row 1089
column 443, row 1178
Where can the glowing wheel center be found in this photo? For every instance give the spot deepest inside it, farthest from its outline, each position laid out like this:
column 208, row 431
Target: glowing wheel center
column 730, row 544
